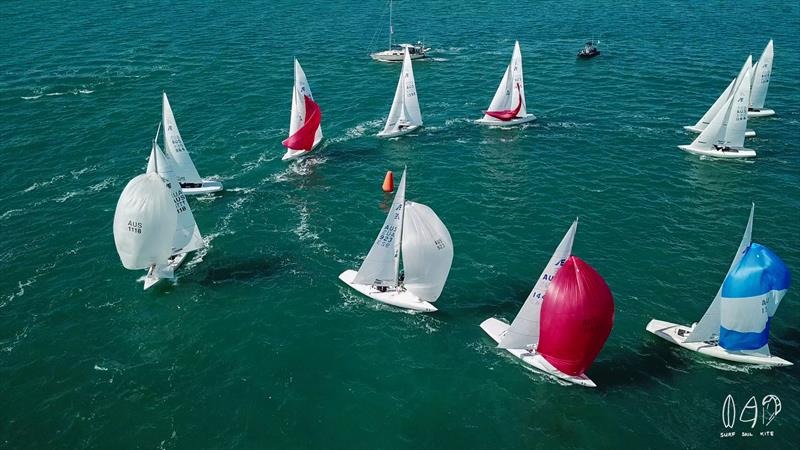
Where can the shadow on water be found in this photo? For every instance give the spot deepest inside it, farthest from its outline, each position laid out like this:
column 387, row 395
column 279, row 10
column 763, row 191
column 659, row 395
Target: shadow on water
column 242, row 270
column 654, row 360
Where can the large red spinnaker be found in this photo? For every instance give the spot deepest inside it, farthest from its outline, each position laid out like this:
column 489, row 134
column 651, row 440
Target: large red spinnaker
column 576, row 317
column 507, row 114
column 303, row 139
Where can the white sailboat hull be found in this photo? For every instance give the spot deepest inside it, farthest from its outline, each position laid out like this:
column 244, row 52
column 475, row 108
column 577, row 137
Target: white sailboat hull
column 393, row 56
column 296, row 154
column 669, row 331
column 400, row 132
column 401, row 298
column 732, row 154
column 760, row 113
column 694, row 129
column 152, row 278
column 207, row 186
column 495, row 329
column 493, row 122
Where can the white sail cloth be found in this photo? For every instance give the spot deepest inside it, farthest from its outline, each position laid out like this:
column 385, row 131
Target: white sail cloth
column 380, row 267
column 185, row 171
column 727, row 128
column 187, row 236
column 299, row 91
column 511, row 88
column 524, row 330
column 761, row 76
column 427, row 252
column 405, row 110
column 144, row 211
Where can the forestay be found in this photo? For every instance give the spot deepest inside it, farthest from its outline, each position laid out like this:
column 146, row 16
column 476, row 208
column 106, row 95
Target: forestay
column 142, row 220
column 708, row 327
column 185, row 171
column 427, row 252
column 381, row 265
column 524, row 330
column 716, row 107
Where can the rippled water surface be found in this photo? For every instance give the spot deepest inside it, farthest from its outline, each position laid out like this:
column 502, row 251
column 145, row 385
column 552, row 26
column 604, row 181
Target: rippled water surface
column 257, row 344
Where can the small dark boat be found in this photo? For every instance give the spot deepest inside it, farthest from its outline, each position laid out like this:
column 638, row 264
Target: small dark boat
column 588, row 51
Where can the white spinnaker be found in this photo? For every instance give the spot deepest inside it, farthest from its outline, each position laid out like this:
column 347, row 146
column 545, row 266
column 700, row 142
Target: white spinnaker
column 143, row 222
column 301, row 89
column 187, row 236
column 714, row 134
column 427, row 252
column 716, row 107
column 524, row 330
column 737, row 115
column 405, row 105
column 380, row 267
column 185, row 171
column 708, row 326
column 761, row 76
column 511, row 87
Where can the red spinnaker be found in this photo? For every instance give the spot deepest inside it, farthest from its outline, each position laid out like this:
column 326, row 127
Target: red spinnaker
column 576, row 318
column 303, row 139
column 507, row 114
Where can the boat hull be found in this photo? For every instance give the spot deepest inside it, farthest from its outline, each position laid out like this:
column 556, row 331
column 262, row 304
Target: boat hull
column 669, row 332
column 496, row 329
column 694, row 129
column 493, row 122
column 738, row 154
column 206, row 187
column 406, row 130
column 297, row 154
column 152, row 278
column 387, row 56
column 760, row 113
column 588, row 55
column 399, row 298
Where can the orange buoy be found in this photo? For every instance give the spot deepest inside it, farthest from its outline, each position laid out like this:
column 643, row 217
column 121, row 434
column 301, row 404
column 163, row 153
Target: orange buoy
column 388, row 182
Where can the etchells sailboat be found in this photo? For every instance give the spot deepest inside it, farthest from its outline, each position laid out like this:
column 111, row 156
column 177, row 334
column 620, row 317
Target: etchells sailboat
column 185, row 172
column 508, row 106
column 413, row 234
column 724, row 135
column 736, row 325
column 564, row 322
column 405, row 116
column 761, row 75
column 305, row 130
column 721, row 101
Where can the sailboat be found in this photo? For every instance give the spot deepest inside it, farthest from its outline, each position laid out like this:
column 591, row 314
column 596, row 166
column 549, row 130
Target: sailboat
column 704, row 121
column 405, row 116
column 305, row 131
column 724, row 135
column 185, row 172
column 154, row 228
column 413, row 234
column 758, row 94
column 395, row 53
column 549, row 333
column 736, row 325
column 508, row 106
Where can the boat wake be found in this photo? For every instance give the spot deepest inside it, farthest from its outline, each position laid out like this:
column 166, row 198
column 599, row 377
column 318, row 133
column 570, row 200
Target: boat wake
column 40, row 93
column 373, row 126
column 40, row 184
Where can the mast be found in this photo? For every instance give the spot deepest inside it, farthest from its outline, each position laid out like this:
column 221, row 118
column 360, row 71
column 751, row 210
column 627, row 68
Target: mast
column 155, row 140
column 391, row 27
column 400, row 241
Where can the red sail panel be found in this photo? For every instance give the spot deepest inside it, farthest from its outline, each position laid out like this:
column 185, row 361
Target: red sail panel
column 507, row 114
column 303, row 139
column 576, row 317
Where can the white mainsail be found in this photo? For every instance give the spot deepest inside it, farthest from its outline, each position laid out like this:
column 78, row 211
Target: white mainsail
column 143, row 221
column 524, row 330
column 427, row 252
column 511, row 88
column 381, row 265
column 184, row 168
column 187, row 236
column 761, row 76
column 736, row 124
column 300, row 90
column 708, row 326
column 405, row 106
column 716, row 107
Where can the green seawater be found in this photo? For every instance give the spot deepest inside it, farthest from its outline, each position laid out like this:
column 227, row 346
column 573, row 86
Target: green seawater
column 258, row 345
